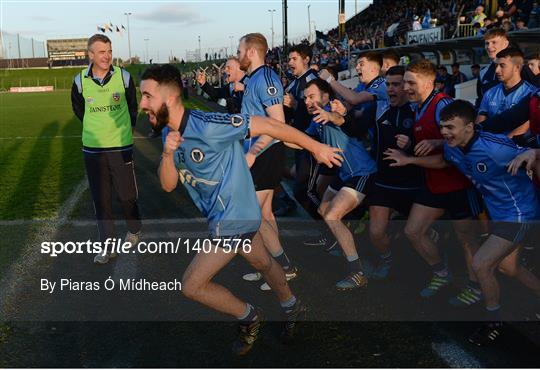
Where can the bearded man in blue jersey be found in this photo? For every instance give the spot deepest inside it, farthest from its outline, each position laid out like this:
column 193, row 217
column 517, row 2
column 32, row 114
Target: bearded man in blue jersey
column 204, row 151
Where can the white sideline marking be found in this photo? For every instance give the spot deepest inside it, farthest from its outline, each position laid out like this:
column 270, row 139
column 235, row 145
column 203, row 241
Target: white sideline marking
column 455, row 356
column 150, row 221
column 26, row 265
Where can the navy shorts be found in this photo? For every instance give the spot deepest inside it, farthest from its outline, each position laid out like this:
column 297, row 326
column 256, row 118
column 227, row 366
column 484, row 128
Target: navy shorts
column 459, row 204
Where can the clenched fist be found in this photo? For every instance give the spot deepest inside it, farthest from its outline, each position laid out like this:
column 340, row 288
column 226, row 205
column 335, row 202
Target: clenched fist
column 172, row 142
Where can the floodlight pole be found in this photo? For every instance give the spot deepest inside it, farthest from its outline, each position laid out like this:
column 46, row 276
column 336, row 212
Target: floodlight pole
column 129, row 36
column 271, row 11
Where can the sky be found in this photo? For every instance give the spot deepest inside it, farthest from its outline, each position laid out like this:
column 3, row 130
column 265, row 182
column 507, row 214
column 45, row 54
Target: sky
column 171, row 27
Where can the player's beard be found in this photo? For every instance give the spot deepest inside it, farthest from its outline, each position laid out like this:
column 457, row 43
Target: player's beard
column 244, row 63
column 162, row 118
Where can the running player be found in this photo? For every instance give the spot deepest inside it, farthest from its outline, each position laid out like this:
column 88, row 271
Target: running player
column 204, row 150
column 395, row 188
column 509, row 91
column 511, row 201
column 444, row 190
column 353, row 179
column 263, row 96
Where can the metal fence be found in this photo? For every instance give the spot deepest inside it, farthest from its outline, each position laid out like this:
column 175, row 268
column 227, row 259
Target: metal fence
column 15, row 46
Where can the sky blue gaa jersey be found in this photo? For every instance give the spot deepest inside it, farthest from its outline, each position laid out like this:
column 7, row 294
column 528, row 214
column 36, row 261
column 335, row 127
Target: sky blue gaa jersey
column 356, row 159
column 262, row 89
column 212, row 167
column 497, row 99
column 484, row 161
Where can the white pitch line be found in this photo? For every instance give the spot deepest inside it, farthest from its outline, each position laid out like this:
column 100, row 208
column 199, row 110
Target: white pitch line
column 27, row 266
column 150, row 221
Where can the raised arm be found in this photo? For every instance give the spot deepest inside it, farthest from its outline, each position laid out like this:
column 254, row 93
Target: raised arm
column 279, row 130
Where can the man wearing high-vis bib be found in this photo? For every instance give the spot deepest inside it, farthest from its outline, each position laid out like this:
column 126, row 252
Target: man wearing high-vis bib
column 104, row 98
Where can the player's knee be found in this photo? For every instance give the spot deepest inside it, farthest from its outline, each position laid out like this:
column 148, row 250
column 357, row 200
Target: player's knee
column 263, row 264
column 331, row 215
column 412, row 232
column 267, row 214
column 481, row 267
column 376, row 232
column 191, row 288
column 510, row 271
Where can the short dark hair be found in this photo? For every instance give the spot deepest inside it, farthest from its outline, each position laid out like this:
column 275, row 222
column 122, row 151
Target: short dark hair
column 455, row 64
column 396, row 71
column 372, row 56
column 392, row 55
column 442, row 68
column 302, row 49
column 97, row 37
column 477, row 66
column 459, row 108
column 323, row 86
column 514, row 53
column 533, row 56
column 164, row 75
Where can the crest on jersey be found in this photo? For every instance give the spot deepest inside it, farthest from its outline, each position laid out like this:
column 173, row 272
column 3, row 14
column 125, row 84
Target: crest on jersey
column 116, row 96
column 271, row 90
column 481, row 167
column 237, row 120
column 90, row 100
column 407, row 123
column 197, row 155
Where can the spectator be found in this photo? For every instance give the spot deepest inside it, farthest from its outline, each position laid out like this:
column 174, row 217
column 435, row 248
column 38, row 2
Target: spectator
column 479, row 16
column 442, row 73
column 521, row 25
column 534, row 16
column 509, row 8
column 457, row 78
column 416, row 26
column 475, row 71
column 440, row 84
column 507, row 25
column 533, row 61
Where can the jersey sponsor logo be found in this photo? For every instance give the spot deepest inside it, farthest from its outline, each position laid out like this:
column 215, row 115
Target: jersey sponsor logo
column 197, row 155
column 105, row 108
column 237, row 120
column 408, row 123
column 481, row 167
column 271, row 90
column 116, row 96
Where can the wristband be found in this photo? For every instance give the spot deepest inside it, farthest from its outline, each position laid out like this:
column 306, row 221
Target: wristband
column 330, row 79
